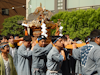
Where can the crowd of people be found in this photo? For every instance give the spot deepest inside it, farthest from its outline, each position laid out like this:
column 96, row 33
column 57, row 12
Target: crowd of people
column 33, row 58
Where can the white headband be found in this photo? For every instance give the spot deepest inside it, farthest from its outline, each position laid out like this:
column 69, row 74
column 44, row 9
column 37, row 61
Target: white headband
column 88, row 40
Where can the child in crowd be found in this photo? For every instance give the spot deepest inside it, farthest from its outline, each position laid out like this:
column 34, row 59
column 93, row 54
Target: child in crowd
column 6, row 61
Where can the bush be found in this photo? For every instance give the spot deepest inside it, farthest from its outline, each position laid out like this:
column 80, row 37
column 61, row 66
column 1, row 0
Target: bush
column 10, row 26
column 78, row 23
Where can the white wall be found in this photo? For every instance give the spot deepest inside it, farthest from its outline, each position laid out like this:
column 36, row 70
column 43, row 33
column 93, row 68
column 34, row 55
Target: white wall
column 81, row 3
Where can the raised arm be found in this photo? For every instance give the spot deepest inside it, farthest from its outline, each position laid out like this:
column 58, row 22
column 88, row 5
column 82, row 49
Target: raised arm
column 24, row 53
column 39, row 51
column 57, row 57
column 76, row 52
column 63, row 54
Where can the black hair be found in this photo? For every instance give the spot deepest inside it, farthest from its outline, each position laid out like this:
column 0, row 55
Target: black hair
column 53, row 38
column 5, row 37
column 76, row 39
column 27, row 38
column 64, row 38
column 0, row 37
column 32, row 35
column 8, row 36
column 16, row 35
column 95, row 33
column 41, row 37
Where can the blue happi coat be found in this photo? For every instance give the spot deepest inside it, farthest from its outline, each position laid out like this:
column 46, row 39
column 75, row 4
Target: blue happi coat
column 89, row 56
column 39, row 59
column 23, row 60
column 54, row 62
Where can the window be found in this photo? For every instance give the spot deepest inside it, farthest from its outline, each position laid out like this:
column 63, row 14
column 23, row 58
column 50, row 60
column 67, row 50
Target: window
column 60, row 4
column 5, row 11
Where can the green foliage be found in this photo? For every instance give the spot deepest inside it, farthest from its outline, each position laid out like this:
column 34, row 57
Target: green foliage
column 52, row 31
column 78, row 23
column 10, row 26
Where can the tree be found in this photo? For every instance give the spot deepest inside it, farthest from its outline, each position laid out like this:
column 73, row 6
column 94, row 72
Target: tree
column 10, row 26
column 78, row 23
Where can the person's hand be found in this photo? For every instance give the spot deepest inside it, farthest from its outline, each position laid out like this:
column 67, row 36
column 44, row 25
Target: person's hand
column 74, row 46
column 33, row 44
column 63, row 54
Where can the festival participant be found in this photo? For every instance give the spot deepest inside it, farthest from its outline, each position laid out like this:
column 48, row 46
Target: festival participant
column 65, row 65
column 89, row 55
column 6, row 61
column 78, row 69
column 4, row 39
column 77, row 40
column 12, row 50
column 16, row 37
column 39, row 56
column 24, row 56
column 68, row 38
column 76, row 65
column 55, row 57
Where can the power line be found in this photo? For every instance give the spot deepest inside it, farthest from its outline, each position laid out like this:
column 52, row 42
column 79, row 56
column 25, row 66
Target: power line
column 14, row 8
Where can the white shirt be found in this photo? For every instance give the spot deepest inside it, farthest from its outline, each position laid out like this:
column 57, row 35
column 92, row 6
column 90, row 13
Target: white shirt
column 7, row 67
column 12, row 51
column 28, row 49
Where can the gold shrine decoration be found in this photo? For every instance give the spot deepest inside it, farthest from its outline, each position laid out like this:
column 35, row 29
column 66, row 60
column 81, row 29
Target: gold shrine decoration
column 40, row 16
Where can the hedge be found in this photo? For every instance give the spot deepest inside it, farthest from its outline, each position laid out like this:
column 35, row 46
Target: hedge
column 78, row 23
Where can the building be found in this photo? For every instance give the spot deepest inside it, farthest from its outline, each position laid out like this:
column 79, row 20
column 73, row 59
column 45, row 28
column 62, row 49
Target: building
column 9, row 8
column 62, row 5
